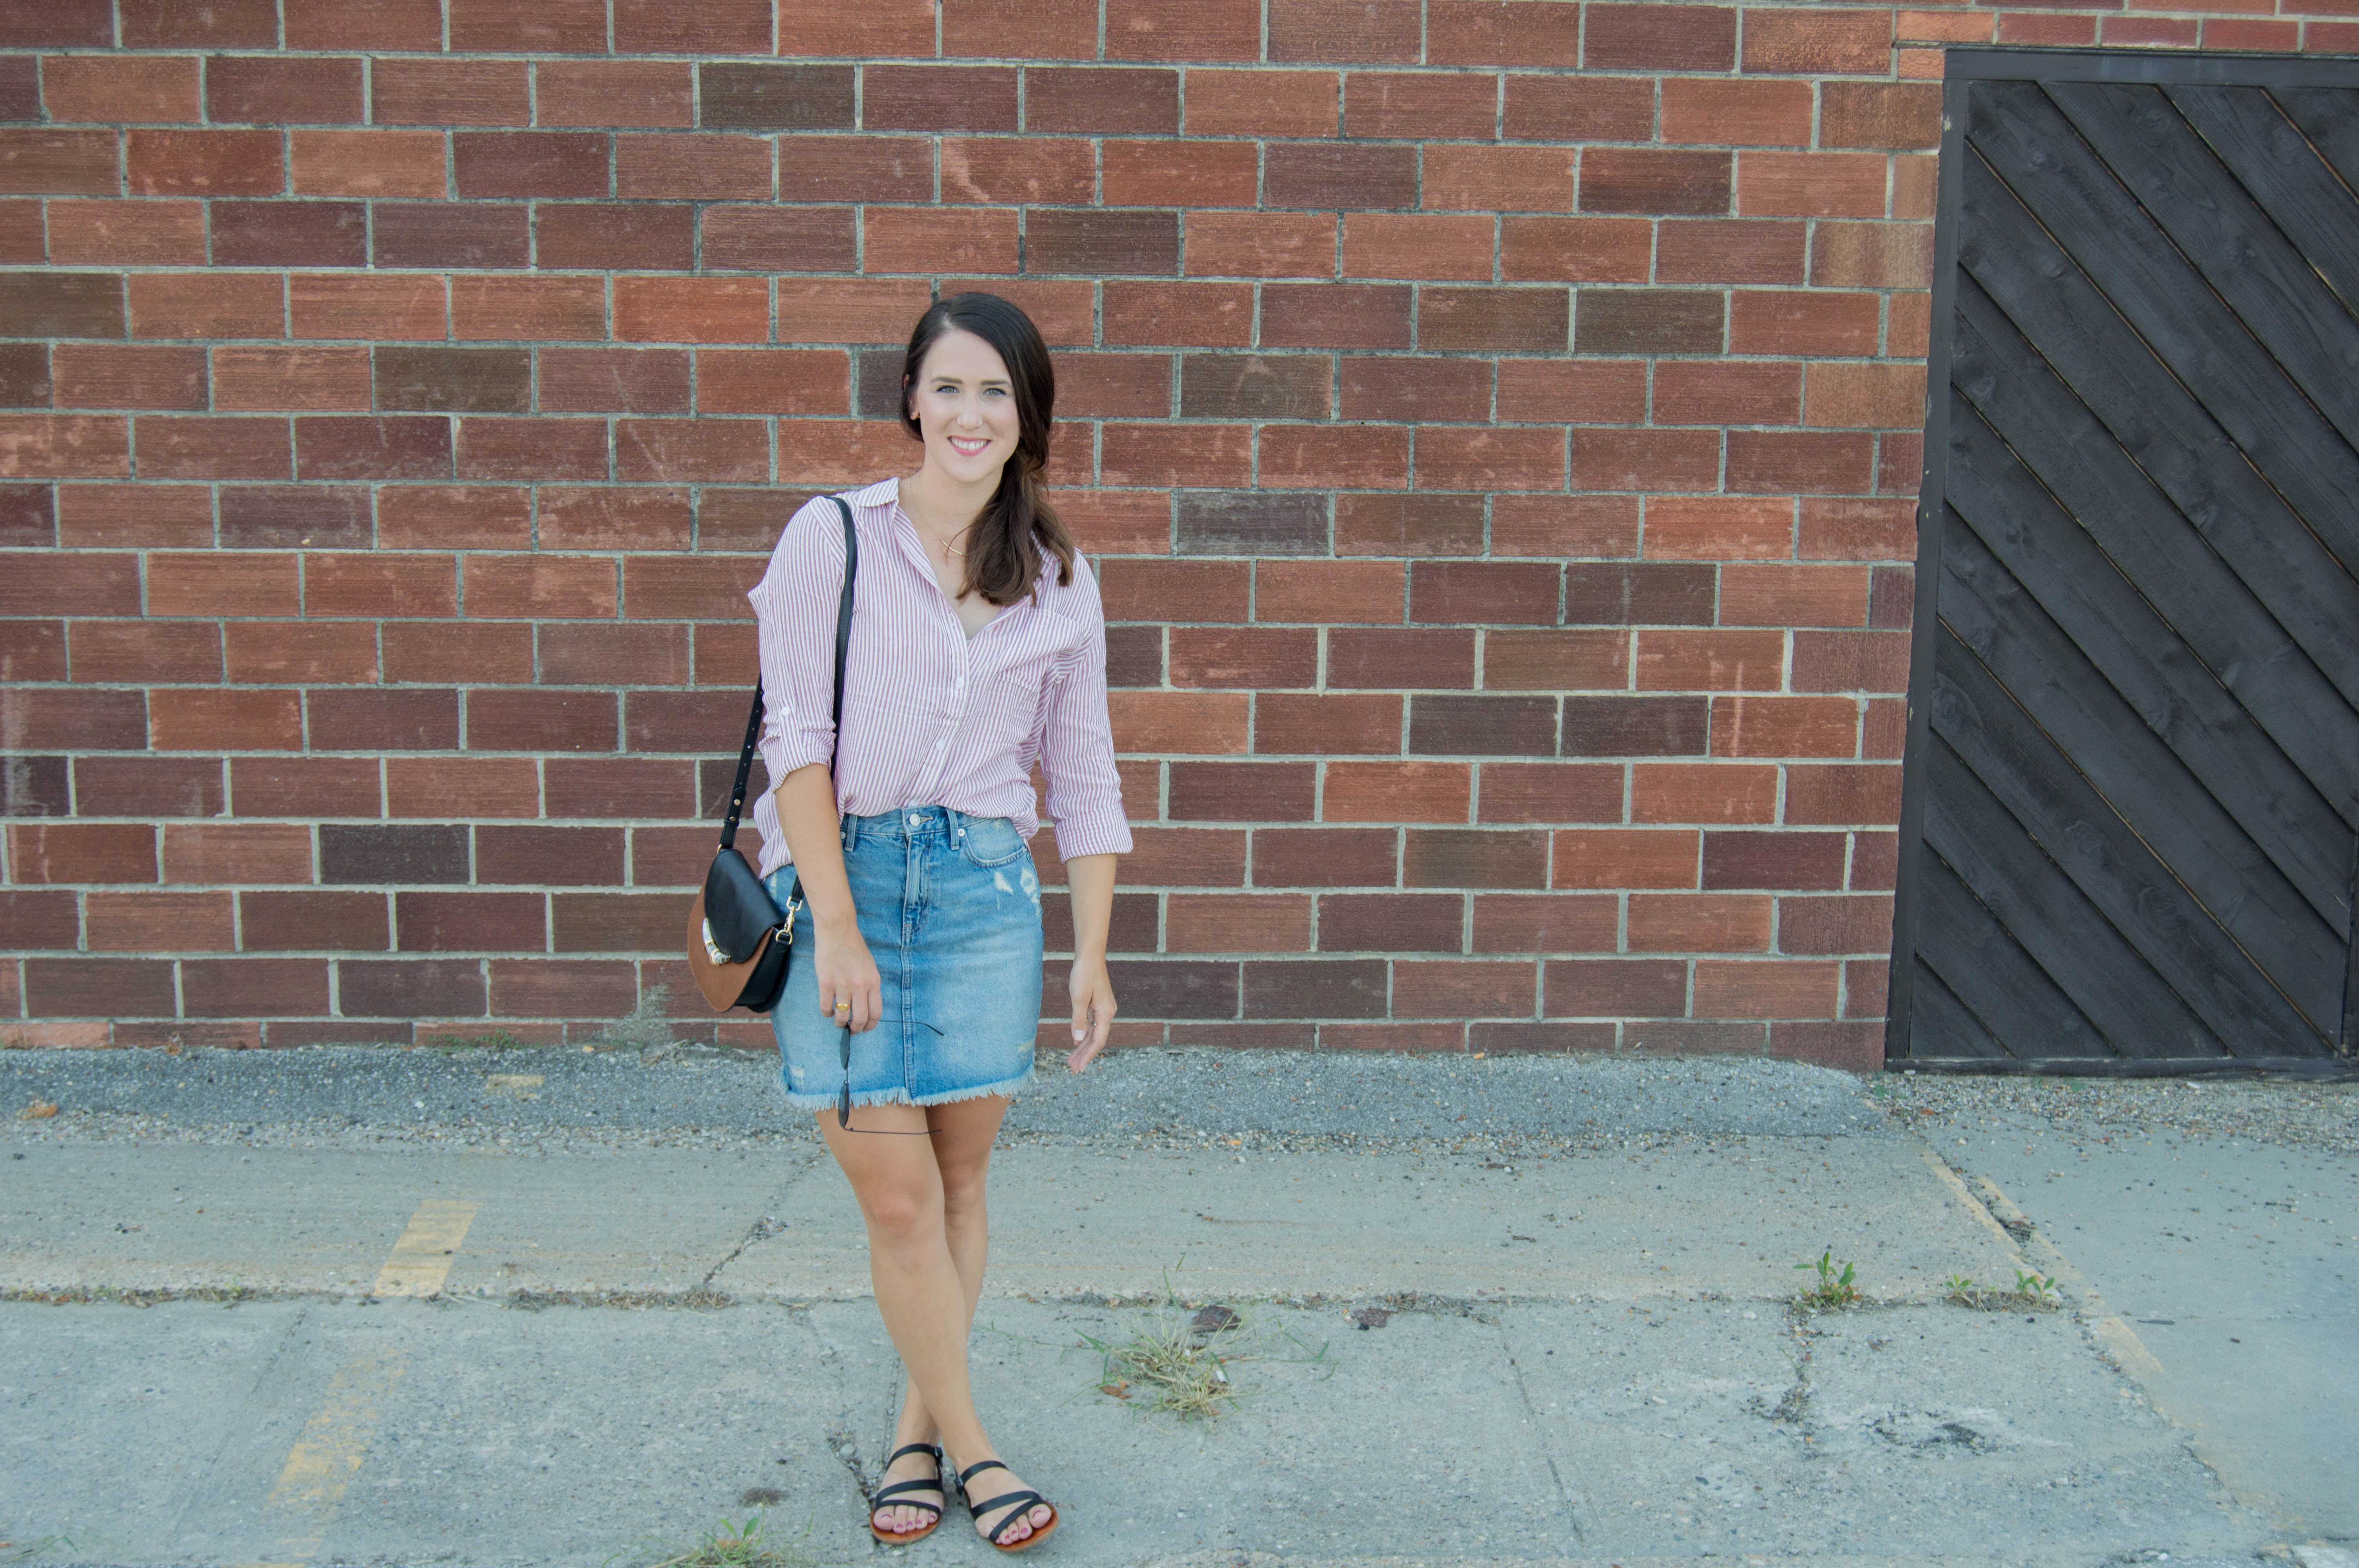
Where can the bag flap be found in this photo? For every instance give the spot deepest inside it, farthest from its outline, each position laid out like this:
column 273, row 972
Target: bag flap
column 736, row 906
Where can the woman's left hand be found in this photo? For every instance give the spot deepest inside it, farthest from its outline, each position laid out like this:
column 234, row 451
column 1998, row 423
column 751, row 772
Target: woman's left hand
column 1093, row 1010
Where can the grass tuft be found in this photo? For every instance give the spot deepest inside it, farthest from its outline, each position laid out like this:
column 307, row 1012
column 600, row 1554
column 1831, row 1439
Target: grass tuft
column 1833, row 1287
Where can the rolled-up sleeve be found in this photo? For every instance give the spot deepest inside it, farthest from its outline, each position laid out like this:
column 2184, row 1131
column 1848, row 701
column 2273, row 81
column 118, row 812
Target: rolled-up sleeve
column 794, row 619
column 1077, row 741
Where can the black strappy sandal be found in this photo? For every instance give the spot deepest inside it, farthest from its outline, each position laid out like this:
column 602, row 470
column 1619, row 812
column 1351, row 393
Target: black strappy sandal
column 1019, row 1505
column 886, row 1496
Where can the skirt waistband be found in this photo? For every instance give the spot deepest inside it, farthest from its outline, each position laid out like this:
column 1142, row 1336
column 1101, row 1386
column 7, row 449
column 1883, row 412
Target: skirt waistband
column 910, row 824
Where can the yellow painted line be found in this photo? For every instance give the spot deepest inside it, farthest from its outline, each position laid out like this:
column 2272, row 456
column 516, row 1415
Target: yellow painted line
column 336, row 1439
column 1940, row 1168
column 2111, row 1328
column 421, row 1258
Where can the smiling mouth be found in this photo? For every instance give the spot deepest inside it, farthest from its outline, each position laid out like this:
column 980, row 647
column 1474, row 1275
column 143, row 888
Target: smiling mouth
column 968, row 448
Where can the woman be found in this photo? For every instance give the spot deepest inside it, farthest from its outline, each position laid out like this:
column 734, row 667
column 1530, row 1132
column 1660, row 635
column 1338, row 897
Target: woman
column 978, row 645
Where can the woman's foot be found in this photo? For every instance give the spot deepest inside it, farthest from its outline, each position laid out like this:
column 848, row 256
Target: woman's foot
column 998, row 1499
column 908, row 1502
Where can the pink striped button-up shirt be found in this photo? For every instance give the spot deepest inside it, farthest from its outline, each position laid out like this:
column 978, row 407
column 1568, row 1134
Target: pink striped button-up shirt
column 932, row 716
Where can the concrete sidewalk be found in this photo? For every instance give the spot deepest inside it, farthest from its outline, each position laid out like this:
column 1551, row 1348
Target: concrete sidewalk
column 586, row 1325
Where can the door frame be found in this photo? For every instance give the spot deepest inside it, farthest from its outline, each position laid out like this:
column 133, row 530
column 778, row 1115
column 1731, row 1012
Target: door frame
column 1960, row 68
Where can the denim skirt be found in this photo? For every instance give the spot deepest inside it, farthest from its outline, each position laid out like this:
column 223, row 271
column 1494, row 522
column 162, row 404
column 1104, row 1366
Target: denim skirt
column 949, row 906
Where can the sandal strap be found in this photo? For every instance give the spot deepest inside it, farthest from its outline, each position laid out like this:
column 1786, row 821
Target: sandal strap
column 1004, row 1499
column 896, row 1488
column 895, row 1457
column 977, row 1468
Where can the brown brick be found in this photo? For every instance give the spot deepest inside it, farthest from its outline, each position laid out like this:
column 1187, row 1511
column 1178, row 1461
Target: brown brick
column 1742, row 250
column 1199, row 723
column 1099, row 101
column 99, row 987
column 931, row 240
column 1649, row 322
column 1215, row 315
column 1578, row 108
column 1315, row 988
column 1898, row 115
column 532, row 448
column 1786, row 462
column 1254, row 386
column 1418, row 524
column 449, row 93
column 1556, row 391
column 1309, row 174
column 1660, row 37
column 1232, row 923
column 254, row 380
column 1498, row 180
column 383, row 720
column 1192, row 455
column 1419, row 245
column 1788, row 861
column 260, row 652
column 82, row 852
column 469, row 922
column 1811, row 185
column 237, row 852
column 101, row 88
column 1137, row 590
column 202, row 163
column 779, row 238
column 376, row 585
column 1397, row 658
column 1886, row 397
column 619, row 787
column 36, row 920
column 1851, row 661
column 1242, row 792
column 314, row 922
column 1861, row 925
column 1345, row 31
column 776, row 97
column 469, row 381
column 225, row 23
column 285, row 516
column 380, row 308
column 1635, row 726
column 1872, row 255
column 720, row 27
column 529, row 163
column 191, row 446
column 389, row 448
column 35, row 786
column 124, row 233
column 1813, row 41
column 545, row 307
column 280, row 90
column 1335, row 316
column 1247, row 657
column 1015, row 29
column 432, row 651
column 604, row 380
column 95, row 375
column 429, row 988
column 1474, row 858
column 1396, row 792
column 432, row 234
column 1325, row 857
column 1491, row 459
column 29, row 517
column 62, row 304
column 291, row 233
column 614, row 93
column 1706, row 923
column 1554, row 661
column 1616, row 179
column 938, row 97
column 1328, row 724
column 1482, row 726
column 540, row 721
column 1768, row 322
column 60, row 163
column 1183, row 30
column 1391, row 922
column 1493, row 319
column 578, row 857
column 1550, row 792
column 1768, row 594
column 1330, row 592
column 1097, row 243
column 1502, row 32
column 1702, row 792
column 1617, row 987
column 608, row 923
column 1485, row 592
column 42, row 719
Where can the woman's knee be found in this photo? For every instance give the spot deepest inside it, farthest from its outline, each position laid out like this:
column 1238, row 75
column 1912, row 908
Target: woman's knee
column 904, row 1214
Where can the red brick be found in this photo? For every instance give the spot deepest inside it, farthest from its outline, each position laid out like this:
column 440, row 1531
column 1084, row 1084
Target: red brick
column 160, row 921
column 1330, row 592
column 1872, row 255
column 1464, row 990
column 554, row 27
column 260, row 652
column 1544, row 922
column 717, row 26
column 82, row 852
column 1569, row 108
column 1418, row 246
column 1209, row 315
column 373, row 308
column 388, row 447
column 1550, row 792
column 62, row 163
column 649, row 93
column 532, row 448
column 1192, row 455
column 1785, row 726
column 1811, row 185
column 771, row 381
column 1010, row 29
column 610, row 235
column 564, row 309
column 1908, row 326
column 1266, row 104
column 1396, row 792
column 1785, row 461
column 1064, row 309
column 379, row 585
column 1882, row 396
column 1499, row 179
column 1896, row 114
column 36, row 650
column 1102, row 99
column 1490, row 458
column 1575, row 250
column 931, row 240
column 538, row 586
column 110, row 89
column 52, row 718
column 1765, row 989
column 635, row 519
column 1817, row 42
column 1502, row 32
column 269, row 988
column 222, row 584
column 1699, row 923
column 101, row 988
column 1334, row 315
column 1170, row 857
column 1707, row 392
column 1766, row 321
column 2250, row 33
column 1842, row 794
column 1629, row 858
column 1118, row 522
column 193, row 447
column 40, row 446
column 1234, row 657
column 439, row 652
column 1261, row 244
column 1711, row 661
column 227, row 721
column 440, row 788
column 1714, row 794
column 1172, row 723
column 1719, row 112
column 109, row 375
column 253, row 380
column 1292, row 724
column 1725, row 250
column 1395, row 387
column 1617, row 180
column 1183, row 30
column 839, row 452
column 1345, row 31
column 449, row 93
column 540, row 721
column 1793, row 595
column 1325, row 857
column 1834, row 925
column 1233, row 923
column 237, row 852
column 211, row 305
column 1417, row 105
column 1322, row 456
column 864, row 27
column 1242, row 792
column 204, row 162
column 36, row 920
column 1554, row 390
column 1135, row 589
column 1494, row 320
column 1617, row 987
column 692, row 310
column 1851, row 661
column 126, row 233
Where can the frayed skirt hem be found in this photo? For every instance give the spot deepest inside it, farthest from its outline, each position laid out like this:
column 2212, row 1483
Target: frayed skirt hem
column 903, row 1096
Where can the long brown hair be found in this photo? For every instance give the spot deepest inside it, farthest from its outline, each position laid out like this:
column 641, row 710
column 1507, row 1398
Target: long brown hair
column 1004, row 560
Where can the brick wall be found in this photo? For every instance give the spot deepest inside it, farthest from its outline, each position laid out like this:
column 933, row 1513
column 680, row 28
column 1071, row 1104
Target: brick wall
column 1497, row 424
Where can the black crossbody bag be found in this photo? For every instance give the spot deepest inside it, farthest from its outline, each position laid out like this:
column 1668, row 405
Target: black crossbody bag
column 739, row 941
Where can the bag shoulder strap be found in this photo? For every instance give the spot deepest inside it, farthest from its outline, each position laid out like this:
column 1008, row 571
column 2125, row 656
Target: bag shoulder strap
column 843, row 651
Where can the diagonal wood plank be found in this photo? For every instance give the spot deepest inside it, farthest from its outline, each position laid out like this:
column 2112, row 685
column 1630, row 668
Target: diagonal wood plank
column 2028, row 143
column 2132, row 889
column 2116, row 990
column 2137, row 776
column 2276, row 295
column 1971, row 952
column 2283, row 173
column 1941, row 1027
column 2204, row 725
column 2204, row 605
column 2020, row 289
column 2329, row 116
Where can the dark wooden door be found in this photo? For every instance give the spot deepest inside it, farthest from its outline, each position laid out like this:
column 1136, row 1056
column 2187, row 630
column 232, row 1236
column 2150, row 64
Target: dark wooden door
column 2127, row 839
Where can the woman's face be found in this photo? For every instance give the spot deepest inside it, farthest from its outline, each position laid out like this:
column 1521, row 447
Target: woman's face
column 965, row 405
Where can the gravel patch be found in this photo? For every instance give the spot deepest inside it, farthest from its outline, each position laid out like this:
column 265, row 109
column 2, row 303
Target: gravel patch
column 2323, row 1116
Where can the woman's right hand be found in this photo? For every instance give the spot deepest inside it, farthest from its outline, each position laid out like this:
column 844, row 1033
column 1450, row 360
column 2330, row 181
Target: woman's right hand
column 847, row 973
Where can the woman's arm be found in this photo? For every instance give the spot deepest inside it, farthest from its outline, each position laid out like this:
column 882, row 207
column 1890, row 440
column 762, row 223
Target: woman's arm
column 807, row 814
column 1089, row 879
